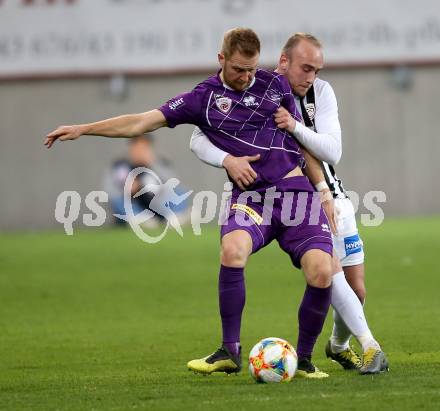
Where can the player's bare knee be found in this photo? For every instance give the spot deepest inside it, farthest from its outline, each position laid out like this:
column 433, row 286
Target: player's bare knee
column 236, row 248
column 319, row 275
column 317, row 267
column 234, row 254
column 356, row 278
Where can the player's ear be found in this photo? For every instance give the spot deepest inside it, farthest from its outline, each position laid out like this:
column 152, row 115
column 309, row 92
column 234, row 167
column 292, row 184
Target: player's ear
column 221, row 59
column 283, row 63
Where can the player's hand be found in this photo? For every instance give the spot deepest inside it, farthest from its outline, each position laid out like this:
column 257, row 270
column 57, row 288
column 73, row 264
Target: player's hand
column 63, row 133
column 328, row 205
column 240, row 169
column 284, row 120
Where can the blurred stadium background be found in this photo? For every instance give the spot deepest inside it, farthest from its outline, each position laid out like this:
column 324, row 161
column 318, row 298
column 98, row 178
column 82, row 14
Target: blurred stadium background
column 65, row 62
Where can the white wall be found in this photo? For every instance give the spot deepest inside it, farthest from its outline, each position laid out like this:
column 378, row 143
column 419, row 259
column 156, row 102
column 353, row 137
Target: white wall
column 390, row 140
column 168, row 35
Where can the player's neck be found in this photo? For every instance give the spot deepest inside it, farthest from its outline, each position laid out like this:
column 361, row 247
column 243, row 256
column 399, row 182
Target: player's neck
column 279, row 71
column 227, row 86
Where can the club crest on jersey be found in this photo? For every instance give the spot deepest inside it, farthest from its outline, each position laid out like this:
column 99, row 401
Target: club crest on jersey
column 310, row 108
column 223, row 103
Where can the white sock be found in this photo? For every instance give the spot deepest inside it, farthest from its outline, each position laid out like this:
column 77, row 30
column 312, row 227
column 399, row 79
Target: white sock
column 341, row 334
column 349, row 317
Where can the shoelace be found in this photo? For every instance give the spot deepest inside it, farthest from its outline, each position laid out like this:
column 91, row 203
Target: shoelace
column 369, row 356
column 350, row 355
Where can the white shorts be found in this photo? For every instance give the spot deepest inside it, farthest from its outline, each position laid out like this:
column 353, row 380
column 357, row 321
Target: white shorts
column 347, row 244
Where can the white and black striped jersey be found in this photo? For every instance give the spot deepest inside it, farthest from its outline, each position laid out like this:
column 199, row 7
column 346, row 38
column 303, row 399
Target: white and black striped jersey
column 320, row 114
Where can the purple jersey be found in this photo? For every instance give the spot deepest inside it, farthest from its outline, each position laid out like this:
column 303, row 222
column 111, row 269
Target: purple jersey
column 242, row 122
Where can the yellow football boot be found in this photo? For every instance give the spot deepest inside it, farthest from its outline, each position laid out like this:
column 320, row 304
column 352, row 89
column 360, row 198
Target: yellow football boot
column 374, row 361
column 220, row 361
column 307, row 370
column 347, row 358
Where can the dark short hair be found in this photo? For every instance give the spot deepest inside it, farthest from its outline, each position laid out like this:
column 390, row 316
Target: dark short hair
column 240, row 39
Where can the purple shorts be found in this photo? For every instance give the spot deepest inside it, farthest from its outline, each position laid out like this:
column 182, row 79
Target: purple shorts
column 289, row 211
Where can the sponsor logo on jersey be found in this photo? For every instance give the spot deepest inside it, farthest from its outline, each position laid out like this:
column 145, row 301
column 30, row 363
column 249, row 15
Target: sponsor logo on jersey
column 353, row 244
column 249, row 101
column 310, row 108
column 223, row 103
column 325, row 228
column 176, row 103
column 248, row 211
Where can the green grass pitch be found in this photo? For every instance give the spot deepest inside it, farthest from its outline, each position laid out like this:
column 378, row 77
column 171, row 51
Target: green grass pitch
column 102, row 321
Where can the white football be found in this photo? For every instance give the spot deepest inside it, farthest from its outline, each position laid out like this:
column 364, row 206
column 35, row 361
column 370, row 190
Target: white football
column 273, row 360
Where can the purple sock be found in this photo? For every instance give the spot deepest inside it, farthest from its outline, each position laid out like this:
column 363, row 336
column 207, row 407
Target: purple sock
column 232, row 296
column 311, row 317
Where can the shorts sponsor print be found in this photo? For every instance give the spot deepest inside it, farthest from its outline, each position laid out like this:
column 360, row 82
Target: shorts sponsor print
column 353, row 244
column 348, row 245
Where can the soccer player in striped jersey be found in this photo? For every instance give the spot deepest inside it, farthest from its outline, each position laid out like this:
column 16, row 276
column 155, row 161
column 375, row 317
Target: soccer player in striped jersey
column 236, row 109
column 301, row 60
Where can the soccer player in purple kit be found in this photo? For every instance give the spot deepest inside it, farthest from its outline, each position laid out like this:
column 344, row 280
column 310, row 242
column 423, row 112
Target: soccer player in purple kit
column 235, row 109
column 300, row 61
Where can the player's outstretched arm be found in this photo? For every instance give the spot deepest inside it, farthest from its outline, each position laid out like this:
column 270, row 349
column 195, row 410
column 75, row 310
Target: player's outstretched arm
column 129, row 125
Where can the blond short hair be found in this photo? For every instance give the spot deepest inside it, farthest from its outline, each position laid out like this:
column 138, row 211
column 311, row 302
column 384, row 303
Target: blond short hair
column 294, row 40
column 243, row 40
